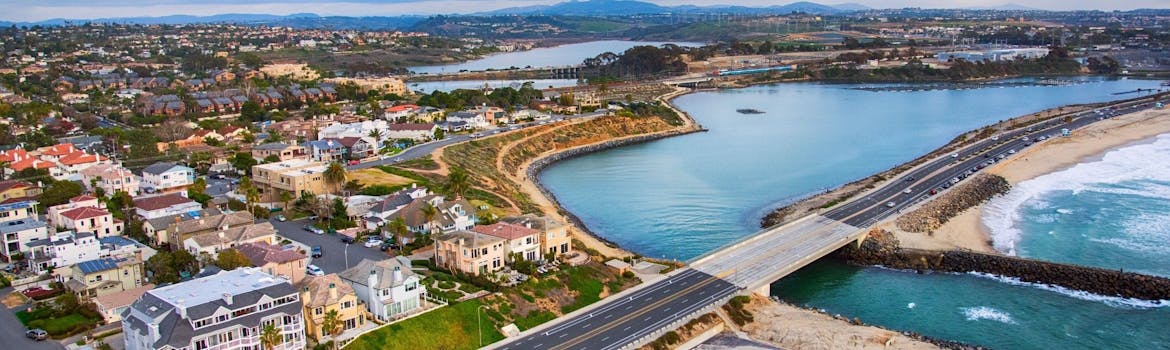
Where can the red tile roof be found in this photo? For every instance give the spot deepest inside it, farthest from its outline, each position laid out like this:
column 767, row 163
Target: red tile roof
column 12, row 154
column 13, row 184
column 80, row 158
column 84, row 213
column 505, row 230
column 60, row 149
column 82, row 198
column 31, row 162
column 400, row 108
column 159, row 202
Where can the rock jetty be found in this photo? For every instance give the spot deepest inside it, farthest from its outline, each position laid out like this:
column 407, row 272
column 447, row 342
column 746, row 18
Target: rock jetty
column 964, row 196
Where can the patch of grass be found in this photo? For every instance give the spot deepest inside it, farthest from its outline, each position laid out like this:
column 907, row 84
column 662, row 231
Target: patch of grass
column 452, row 327
column 56, row 326
column 422, row 163
column 469, row 288
column 534, row 319
column 584, row 281
column 369, row 177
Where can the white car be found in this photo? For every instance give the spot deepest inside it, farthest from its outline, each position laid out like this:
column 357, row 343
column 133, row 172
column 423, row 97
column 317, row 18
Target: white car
column 314, row 270
column 373, row 243
column 891, row 204
column 907, row 191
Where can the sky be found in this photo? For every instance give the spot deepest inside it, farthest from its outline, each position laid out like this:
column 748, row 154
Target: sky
column 38, row 10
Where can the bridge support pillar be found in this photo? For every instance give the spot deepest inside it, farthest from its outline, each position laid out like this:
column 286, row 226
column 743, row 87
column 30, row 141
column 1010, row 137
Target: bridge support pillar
column 862, row 238
column 764, row 291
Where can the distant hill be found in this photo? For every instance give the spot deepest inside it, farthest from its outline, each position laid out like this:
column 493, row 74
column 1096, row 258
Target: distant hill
column 1007, row 7
column 298, row 20
column 851, row 6
column 634, row 7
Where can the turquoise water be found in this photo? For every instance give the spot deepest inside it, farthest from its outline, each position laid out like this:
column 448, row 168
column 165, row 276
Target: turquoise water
column 975, row 310
column 1112, row 212
column 684, row 196
column 563, row 55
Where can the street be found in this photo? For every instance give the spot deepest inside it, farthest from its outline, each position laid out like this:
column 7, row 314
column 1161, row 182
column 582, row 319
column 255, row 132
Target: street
column 334, row 258
column 12, row 331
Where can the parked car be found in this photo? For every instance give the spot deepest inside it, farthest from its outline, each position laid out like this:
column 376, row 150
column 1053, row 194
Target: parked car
column 281, row 218
column 388, row 245
column 354, row 162
column 346, row 239
column 37, row 333
column 313, row 270
column 313, row 229
column 317, row 251
column 373, row 242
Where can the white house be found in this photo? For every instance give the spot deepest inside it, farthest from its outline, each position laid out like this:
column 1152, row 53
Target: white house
column 18, row 234
column 164, row 205
column 413, row 131
column 62, row 250
column 167, row 177
column 472, row 119
column 389, row 289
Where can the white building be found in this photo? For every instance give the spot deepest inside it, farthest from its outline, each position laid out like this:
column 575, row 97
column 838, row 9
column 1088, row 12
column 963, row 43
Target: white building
column 85, row 213
column 389, row 289
column 360, row 130
column 225, row 311
column 168, row 204
column 167, row 177
column 413, row 131
column 18, row 234
column 62, row 250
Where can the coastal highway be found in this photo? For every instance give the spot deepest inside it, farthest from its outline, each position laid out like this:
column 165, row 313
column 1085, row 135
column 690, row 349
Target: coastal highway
column 636, row 316
column 426, row 148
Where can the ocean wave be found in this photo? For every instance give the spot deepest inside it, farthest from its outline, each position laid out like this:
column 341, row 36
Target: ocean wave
column 1117, row 302
column 1150, row 161
column 977, row 313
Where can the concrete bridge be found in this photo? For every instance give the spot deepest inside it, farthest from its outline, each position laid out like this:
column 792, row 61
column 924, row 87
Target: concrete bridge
column 636, row 317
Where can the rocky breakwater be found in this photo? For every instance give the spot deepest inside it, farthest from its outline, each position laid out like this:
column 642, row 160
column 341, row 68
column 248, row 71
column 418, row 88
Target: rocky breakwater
column 882, row 248
column 968, row 194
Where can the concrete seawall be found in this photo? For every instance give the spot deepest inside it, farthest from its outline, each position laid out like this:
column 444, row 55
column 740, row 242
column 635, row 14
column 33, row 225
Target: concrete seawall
column 881, row 248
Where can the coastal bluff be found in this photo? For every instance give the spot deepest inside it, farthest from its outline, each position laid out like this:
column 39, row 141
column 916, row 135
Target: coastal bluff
column 881, row 248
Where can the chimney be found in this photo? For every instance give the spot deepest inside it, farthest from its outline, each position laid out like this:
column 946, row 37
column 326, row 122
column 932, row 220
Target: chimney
column 227, row 298
column 370, row 282
column 332, row 291
column 181, row 309
column 397, row 275
column 305, row 295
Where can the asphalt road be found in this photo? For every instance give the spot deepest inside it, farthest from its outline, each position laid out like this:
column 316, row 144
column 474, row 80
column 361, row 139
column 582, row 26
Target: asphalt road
column 426, row 148
column 619, row 321
column 12, row 331
column 335, row 252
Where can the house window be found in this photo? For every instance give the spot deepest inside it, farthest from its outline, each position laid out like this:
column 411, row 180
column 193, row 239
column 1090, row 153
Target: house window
column 317, row 311
column 411, row 286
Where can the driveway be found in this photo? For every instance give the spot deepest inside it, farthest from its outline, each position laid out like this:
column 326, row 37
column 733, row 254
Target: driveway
column 12, row 331
column 334, row 258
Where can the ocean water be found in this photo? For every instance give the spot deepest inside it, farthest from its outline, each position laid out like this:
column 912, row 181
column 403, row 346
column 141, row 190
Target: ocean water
column 447, row 86
column 1113, row 212
column 563, row 55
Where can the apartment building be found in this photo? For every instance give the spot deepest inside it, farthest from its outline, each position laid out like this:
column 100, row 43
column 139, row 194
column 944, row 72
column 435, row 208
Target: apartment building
column 225, row 311
column 110, row 178
column 62, row 250
column 293, row 176
column 470, row 252
column 19, row 234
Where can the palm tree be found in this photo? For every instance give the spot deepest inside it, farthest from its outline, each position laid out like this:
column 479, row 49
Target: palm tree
column 458, row 182
column 250, row 192
column 377, row 135
column 429, row 213
column 335, row 175
column 398, row 229
column 285, row 197
column 332, row 325
column 270, row 337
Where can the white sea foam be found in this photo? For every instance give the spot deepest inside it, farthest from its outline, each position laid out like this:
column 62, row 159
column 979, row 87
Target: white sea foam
column 1150, row 161
column 977, row 313
column 1064, row 211
column 1117, row 302
column 911, row 305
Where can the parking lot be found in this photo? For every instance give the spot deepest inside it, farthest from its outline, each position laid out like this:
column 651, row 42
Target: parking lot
column 335, row 251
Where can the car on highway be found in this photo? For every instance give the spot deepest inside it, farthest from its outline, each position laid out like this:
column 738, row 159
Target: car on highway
column 1012, row 151
column 954, row 155
column 313, row 229
column 891, row 204
column 907, row 191
column 935, row 191
column 317, row 251
column 372, row 242
column 37, row 334
column 313, row 270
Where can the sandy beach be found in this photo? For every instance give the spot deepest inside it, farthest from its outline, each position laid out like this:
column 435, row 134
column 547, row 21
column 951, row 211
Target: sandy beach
column 790, row 327
column 967, row 230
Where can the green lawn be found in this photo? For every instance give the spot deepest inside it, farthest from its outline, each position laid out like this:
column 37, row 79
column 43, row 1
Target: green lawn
column 583, row 280
column 41, row 318
column 451, row 327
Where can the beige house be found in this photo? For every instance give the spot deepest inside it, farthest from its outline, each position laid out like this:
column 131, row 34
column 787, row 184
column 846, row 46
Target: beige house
column 181, row 230
column 321, row 294
column 470, row 252
column 522, row 242
column 210, row 243
column 112, row 305
column 294, row 176
column 104, row 276
column 276, row 261
column 554, row 235
column 282, row 151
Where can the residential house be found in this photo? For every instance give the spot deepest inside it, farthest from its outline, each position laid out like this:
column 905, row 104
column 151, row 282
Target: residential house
column 90, row 219
column 111, row 178
column 211, row 243
column 521, row 241
column 167, row 177
column 122, row 247
column 111, row 306
column 156, row 229
column 380, row 212
column 413, row 131
column 225, row 311
column 85, row 200
column 74, row 163
column 322, row 294
column 356, row 147
column 282, row 151
column 469, row 119
column 490, row 114
column 470, row 252
column 554, row 235
column 15, row 190
column 389, row 289
column 62, row 250
column 450, row 215
column 325, row 150
column 104, row 276
column 400, row 112
column 275, row 260
column 180, row 230
column 19, row 234
column 294, row 176
column 168, row 204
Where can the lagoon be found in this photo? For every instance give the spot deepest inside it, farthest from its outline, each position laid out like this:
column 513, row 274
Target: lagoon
column 564, row 55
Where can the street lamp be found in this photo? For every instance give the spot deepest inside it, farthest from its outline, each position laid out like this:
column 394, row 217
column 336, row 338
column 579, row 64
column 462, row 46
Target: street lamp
column 347, row 256
column 478, row 324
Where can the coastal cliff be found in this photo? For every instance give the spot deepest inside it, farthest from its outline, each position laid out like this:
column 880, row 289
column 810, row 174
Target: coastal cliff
column 882, row 248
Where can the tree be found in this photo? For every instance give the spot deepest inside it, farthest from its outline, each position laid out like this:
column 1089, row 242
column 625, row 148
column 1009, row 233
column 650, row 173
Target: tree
column 332, row 325
column 271, row 158
column 458, row 182
column 270, row 337
column 335, row 175
column 429, row 213
column 376, row 134
column 440, row 134
column 398, row 229
column 285, row 197
column 231, row 259
column 251, row 112
column 243, row 162
column 59, row 192
column 250, row 192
